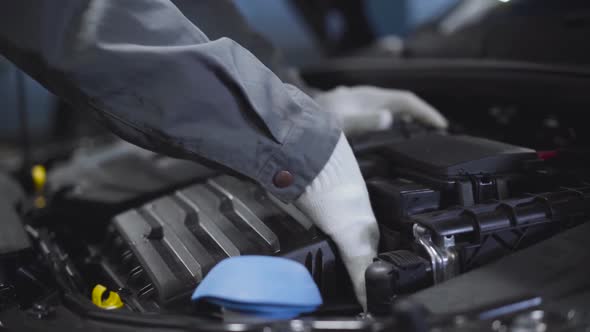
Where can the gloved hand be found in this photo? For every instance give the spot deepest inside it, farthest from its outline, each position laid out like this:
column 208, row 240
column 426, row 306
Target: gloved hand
column 365, row 108
column 338, row 202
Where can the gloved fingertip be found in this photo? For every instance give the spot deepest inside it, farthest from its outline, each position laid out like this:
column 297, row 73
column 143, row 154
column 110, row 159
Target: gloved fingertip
column 439, row 122
column 423, row 112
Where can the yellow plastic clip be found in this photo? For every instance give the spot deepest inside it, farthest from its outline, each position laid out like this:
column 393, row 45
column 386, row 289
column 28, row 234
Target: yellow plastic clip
column 110, row 303
column 39, row 176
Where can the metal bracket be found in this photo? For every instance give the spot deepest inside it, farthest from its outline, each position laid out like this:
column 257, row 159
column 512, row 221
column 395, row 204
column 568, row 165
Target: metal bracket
column 444, row 258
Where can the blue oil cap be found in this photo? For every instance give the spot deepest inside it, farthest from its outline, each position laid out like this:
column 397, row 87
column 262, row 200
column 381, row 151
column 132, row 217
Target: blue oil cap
column 267, row 287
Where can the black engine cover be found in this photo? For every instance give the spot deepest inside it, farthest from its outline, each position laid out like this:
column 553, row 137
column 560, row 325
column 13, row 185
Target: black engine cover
column 450, row 156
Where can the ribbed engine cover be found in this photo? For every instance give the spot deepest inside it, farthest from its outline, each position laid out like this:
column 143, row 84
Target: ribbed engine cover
column 162, row 250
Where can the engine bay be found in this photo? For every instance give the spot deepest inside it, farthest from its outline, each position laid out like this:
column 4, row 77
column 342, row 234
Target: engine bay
column 149, row 228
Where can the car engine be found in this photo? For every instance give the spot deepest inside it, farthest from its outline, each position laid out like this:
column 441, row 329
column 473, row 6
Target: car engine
column 149, row 227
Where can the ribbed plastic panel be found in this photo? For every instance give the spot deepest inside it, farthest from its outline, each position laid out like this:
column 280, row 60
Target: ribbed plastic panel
column 163, row 249
column 486, row 232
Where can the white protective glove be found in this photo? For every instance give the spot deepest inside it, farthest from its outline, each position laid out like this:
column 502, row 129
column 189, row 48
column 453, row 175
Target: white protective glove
column 338, row 202
column 362, row 109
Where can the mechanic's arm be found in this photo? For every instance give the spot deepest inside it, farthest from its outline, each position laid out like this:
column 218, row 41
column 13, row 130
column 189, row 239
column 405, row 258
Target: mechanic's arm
column 156, row 80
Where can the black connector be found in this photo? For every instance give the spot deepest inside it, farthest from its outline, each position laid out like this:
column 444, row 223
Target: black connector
column 392, row 274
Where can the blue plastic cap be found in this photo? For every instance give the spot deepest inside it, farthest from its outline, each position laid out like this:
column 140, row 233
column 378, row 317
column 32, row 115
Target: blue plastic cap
column 264, row 286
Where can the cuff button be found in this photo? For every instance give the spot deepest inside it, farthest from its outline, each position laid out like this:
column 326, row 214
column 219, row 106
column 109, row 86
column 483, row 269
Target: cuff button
column 283, row 179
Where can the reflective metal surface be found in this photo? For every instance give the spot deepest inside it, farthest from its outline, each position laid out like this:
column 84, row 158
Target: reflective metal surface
column 443, row 258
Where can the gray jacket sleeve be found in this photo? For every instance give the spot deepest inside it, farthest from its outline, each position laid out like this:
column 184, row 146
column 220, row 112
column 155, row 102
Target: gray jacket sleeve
column 156, row 80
